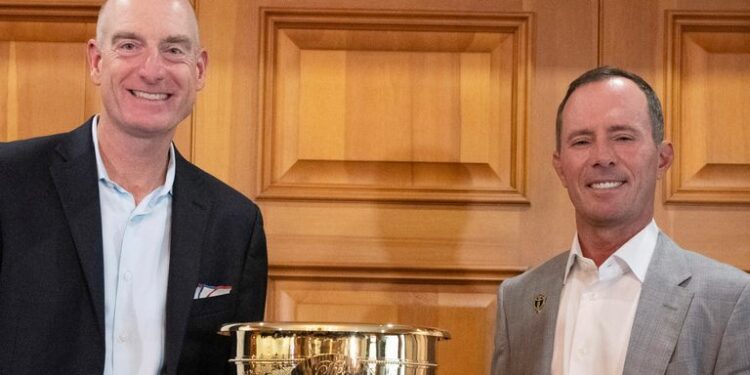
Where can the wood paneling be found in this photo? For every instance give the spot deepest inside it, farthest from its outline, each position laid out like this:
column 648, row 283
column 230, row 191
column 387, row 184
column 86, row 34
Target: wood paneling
column 467, row 308
column 394, row 106
column 43, row 72
column 400, row 151
column 708, row 69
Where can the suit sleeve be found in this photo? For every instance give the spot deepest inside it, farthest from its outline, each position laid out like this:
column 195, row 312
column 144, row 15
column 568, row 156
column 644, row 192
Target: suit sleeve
column 252, row 298
column 501, row 354
column 734, row 352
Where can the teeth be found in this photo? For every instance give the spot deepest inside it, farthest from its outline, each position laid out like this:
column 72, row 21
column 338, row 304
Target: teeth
column 606, row 185
column 149, row 96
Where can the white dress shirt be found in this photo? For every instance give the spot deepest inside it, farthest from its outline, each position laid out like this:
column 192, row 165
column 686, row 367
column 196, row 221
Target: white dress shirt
column 597, row 307
column 135, row 242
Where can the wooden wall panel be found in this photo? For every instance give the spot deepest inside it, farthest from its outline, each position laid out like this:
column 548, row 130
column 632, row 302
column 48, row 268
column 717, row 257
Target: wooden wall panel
column 394, row 106
column 708, row 69
column 37, row 99
column 465, row 309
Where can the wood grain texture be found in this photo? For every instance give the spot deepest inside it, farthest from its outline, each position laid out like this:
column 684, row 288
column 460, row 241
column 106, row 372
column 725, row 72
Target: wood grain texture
column 466, row 310
column 398, row 106
column 708, row 55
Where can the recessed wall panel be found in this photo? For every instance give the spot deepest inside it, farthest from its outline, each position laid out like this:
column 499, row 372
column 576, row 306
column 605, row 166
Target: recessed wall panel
column 708, row 70
column 385, row 106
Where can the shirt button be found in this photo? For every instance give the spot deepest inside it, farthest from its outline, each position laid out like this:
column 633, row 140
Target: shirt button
column 123, row 337
column 582, row 352
column 128, row 276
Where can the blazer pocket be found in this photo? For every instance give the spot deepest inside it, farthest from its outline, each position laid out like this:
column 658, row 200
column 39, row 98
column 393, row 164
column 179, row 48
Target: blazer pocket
column 213, row 305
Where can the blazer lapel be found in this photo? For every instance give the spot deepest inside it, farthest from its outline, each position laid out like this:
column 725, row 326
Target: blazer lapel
column 75, row 178
column 190, row 208
column 545, row 334
column 535, row 318
column 661, row 311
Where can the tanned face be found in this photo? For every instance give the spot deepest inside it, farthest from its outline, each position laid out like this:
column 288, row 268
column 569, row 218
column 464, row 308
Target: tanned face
column 608, row 161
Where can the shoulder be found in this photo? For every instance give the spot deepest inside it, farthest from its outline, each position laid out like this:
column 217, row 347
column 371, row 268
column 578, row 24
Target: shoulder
column 43, row 150
column 27, row 162
column 710, row 274
column 551, row 271
column 28, row 150
column 707, row 276
column 222, row 195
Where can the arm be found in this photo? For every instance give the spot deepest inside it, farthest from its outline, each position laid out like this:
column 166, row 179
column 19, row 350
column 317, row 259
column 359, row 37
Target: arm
column 734, row 352
column 251, row 304
column 501, row 355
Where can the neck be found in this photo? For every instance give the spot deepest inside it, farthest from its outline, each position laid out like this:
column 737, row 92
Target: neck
column 139, row 165
column 598, row 243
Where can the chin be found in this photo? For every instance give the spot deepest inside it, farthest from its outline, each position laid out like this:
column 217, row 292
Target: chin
column 150, row 128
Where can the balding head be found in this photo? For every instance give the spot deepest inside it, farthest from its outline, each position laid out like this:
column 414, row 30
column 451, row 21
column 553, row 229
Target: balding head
column 149, row 65
column 107, row 19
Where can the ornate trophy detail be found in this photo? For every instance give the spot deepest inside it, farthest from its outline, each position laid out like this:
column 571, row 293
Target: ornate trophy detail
column 333, row 349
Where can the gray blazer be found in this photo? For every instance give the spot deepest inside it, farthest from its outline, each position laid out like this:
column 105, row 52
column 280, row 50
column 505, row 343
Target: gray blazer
column 693, row 317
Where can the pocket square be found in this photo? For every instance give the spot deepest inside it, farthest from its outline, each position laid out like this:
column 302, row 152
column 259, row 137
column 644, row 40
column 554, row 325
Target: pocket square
column 207, row 291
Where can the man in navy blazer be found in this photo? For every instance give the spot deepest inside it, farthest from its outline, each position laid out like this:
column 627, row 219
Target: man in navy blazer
column 118, row 256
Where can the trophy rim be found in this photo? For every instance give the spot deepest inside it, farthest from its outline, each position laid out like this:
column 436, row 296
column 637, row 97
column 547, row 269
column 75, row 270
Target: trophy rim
column 333, row 327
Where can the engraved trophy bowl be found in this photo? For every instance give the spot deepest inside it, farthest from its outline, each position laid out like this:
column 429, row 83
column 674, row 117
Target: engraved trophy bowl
column 268, row 348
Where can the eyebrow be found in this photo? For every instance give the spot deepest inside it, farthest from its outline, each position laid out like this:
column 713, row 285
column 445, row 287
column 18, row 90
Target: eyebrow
column 611, row 129
column 124, row 35
column 617, row 128
column 578, row 133
column 178, row 39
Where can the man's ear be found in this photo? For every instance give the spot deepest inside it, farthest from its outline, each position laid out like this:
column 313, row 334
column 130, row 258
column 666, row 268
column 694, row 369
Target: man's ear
column 95, row 61
column 201, row 64
column 666, row 156
column 558, row 167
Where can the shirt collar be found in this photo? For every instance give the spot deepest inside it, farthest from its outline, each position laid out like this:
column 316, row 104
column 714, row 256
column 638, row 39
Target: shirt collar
column 635, row 253
column 104, row 176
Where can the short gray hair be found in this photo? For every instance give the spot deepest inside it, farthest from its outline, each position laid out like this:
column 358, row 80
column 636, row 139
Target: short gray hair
column 605, row 72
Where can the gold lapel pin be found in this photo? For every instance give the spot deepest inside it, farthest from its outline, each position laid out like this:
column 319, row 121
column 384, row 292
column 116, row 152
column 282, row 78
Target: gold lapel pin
column 539, row 301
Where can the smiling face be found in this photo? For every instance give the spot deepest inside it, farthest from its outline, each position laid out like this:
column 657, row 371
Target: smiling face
column 148, row 63
column 608, row 160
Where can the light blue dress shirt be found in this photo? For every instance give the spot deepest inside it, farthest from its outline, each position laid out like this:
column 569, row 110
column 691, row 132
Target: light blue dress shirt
column 135, row 241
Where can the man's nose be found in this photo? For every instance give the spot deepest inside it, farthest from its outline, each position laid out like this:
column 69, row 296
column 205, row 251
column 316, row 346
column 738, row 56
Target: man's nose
column 152, row 68
column 602, row 154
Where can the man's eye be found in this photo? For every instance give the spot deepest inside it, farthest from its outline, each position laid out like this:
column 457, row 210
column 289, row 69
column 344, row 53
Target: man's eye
column 175, row 51
column 580, row 142
column 127, row 47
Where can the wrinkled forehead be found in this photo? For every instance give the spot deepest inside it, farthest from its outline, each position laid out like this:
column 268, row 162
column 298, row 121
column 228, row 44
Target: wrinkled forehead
column 168, row 17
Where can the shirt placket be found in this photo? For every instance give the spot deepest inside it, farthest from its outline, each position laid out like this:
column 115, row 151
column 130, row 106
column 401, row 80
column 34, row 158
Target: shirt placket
column 584, row 339
column 126, row 331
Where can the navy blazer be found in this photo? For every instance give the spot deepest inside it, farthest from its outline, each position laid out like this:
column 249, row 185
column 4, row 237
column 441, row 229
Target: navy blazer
column 51, row 265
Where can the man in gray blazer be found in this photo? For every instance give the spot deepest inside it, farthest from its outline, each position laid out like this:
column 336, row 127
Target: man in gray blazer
column 625, row 299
